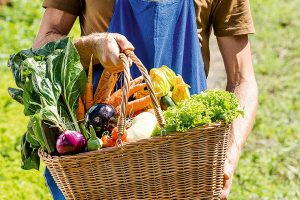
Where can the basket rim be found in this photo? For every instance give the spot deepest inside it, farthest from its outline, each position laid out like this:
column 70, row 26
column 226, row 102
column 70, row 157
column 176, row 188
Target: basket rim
column 213, row 125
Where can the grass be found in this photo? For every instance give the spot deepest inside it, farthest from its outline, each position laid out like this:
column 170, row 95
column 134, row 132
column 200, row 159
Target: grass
column 270, row 164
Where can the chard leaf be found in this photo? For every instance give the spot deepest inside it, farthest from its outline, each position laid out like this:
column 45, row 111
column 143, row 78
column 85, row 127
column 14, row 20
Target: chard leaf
column 31, row 99
column 31, row 68
column 15, row 62
column 50, row 114
column 16, row 94
column 50, row 47
column 49, row 100
column 34, row 140
column 29, row 155
column 65, row 116
column 73, row 79
column 54, row 63
column 49, row 139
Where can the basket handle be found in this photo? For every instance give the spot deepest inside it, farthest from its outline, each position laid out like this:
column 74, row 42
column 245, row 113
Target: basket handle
column 126, row 83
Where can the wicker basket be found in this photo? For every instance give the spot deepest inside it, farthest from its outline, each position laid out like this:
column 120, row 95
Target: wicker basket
column 178, row 166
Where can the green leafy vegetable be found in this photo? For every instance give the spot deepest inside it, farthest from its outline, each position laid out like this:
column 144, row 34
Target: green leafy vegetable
column 29, row 155
column 16, row 94
column 50, row 80
column 73, row 80
column 204, row 108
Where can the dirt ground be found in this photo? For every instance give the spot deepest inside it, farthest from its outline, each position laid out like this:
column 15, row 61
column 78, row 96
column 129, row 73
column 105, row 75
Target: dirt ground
column 217, row 76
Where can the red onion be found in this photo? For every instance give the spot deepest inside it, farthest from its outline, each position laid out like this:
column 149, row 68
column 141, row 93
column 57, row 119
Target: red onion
column 70, row 142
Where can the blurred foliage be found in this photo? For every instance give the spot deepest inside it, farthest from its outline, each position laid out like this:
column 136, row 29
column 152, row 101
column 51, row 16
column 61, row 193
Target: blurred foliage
column 270, row 164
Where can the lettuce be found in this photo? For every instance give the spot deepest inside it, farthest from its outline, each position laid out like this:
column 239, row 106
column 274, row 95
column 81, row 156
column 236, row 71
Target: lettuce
column 202, row 109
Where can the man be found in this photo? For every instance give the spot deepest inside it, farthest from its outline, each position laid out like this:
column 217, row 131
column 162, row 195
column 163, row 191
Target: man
column 166, row 32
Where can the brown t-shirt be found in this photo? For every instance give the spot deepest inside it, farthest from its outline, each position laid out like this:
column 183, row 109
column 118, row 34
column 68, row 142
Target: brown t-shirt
column 227, row 17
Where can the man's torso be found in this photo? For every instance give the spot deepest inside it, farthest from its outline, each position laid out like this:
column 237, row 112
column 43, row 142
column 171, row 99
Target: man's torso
column 230, row 17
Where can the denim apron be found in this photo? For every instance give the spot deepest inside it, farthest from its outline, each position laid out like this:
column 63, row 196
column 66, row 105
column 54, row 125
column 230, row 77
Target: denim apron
column 163, row 32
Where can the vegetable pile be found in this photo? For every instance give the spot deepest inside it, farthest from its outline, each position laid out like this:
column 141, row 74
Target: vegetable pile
column 68, row 117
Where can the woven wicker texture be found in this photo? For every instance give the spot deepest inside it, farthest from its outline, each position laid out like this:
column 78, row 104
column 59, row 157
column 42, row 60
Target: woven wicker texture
column 178, row 166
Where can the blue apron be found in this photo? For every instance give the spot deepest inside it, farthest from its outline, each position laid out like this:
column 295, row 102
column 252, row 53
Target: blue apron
column 163, row 32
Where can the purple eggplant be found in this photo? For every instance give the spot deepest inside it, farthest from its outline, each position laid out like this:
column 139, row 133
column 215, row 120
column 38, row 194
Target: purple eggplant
column 101, row 117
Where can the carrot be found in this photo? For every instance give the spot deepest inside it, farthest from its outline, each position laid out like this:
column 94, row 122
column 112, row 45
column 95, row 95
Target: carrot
column 102, row 85
column 141, row 94
column 136, row 81
column 109, row 88
column 135, row 88
column 80, row 113
column 89, row 87
column 136, row 105
column 116, row 97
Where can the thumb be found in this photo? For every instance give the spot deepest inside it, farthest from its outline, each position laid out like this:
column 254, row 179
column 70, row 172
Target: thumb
column 123, row 43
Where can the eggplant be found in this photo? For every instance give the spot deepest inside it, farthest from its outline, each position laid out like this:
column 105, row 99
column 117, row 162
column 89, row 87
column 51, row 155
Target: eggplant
column 102, row 117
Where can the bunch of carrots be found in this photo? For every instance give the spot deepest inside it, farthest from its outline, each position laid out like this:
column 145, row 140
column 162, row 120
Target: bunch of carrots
column 105, row 94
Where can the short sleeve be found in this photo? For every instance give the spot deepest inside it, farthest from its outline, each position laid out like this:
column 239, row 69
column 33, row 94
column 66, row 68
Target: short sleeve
column 70, row 6
column 232, row 17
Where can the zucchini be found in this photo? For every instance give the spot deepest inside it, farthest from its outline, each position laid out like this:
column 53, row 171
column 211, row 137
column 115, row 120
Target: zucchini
column 166, row 102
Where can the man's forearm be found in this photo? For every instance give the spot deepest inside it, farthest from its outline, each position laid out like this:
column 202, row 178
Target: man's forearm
column 55, row 25
column 44, row 39
column 240, row 80
column 247, row 93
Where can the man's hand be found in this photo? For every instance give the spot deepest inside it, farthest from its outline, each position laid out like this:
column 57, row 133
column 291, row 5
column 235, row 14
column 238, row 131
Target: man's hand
column 231, row 161
column 106, row 48
column 227, row 180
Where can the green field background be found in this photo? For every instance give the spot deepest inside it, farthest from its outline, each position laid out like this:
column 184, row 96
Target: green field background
column 269, row 167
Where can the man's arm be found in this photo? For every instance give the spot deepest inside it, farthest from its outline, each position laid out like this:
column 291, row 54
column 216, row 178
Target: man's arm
column 55, row 24
column 241, row 80
column 106, row 47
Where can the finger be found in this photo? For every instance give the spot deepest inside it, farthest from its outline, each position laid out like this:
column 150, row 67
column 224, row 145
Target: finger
column 114, row 57
column 123, row 43
column 226, row 189
column 227, row 175
column 224, row 195
column 228, row 169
